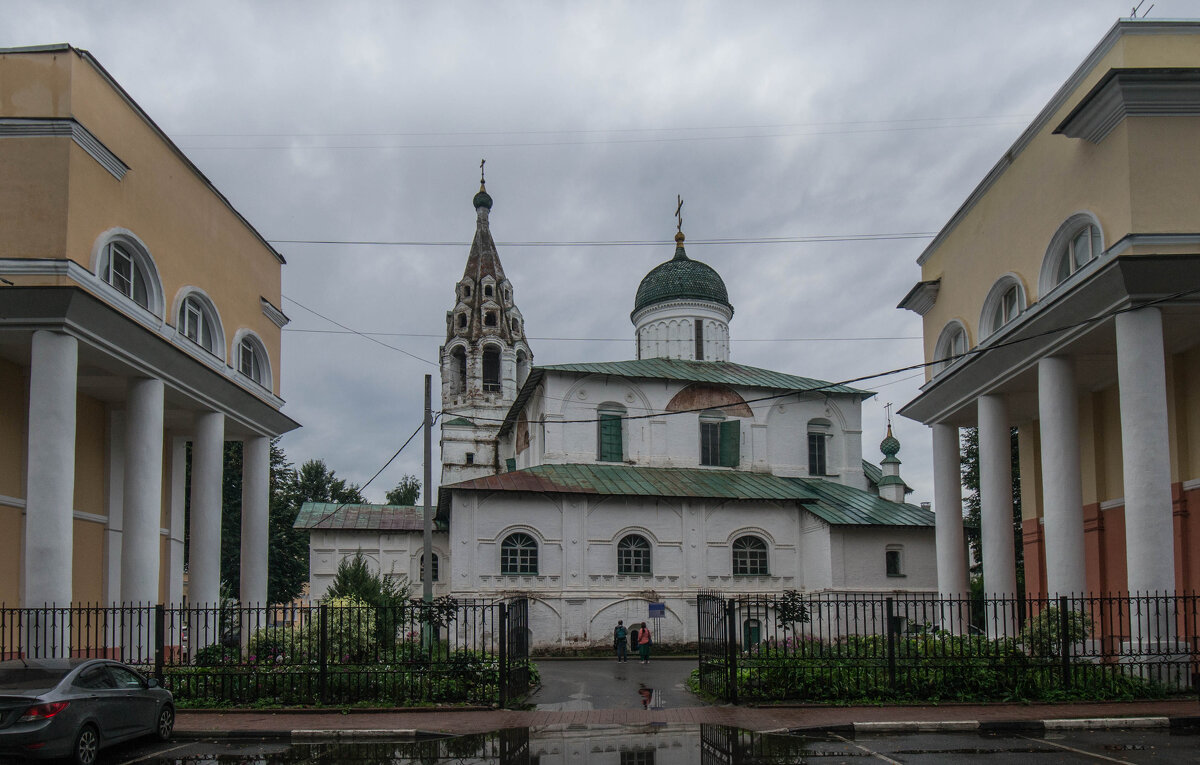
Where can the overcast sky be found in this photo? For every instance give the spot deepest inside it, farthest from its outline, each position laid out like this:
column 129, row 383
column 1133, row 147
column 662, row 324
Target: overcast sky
column 367, row 121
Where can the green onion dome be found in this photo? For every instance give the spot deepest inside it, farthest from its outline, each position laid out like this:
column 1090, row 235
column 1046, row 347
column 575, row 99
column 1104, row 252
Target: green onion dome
column 890, row 445
column 483, row 199
column 681, row 278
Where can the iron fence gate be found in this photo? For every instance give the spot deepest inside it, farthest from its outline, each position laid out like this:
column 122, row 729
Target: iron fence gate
column 514, row 650
column 717, row 646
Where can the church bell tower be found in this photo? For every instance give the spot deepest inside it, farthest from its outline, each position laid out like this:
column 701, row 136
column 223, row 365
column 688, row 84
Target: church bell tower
column 484, row 360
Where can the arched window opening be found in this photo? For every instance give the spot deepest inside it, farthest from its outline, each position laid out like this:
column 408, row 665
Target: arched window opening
column 434, row 572
column 1078, row 252
column 458, row 369
column 1077, row 242
column 252, row 360
column 491, row 369
column 893, row 558
column 1004, row 303
column 749, row 556
column 513, row 325
column 489, row 319
column 462, row 321
column 522, row 368
column 487, row 290
column 610, row 428
column 699, row 339
column 518, row 554
column 951, row 344
column 633, row 555
column 466, row 290
column 196, row 323
column 122, row 270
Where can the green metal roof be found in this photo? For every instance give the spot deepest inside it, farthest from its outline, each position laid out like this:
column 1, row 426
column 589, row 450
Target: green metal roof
column 834, row 503
column 724, row 372
column 331, row 515
column 681, row 278
column 875, row 475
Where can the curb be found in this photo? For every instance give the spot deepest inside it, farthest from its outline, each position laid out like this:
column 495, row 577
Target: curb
column 312, row 734
column 1002, row 726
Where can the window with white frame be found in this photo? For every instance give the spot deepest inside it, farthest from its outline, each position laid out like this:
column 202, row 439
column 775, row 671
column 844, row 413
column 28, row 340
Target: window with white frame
column 750, row 556
column 197, row 322
column 818, row 446
column 123, row 266
column 252, row 360
column 951, row 344
column 518, row 554
column 1004, row 303
column 633, row 555
column 1077, row 242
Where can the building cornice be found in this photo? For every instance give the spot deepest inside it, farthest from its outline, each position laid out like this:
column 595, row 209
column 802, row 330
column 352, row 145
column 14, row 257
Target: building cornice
column 1132, row 93
column 921, row 297
column 19, row 127
column 1121, row 28
column 277, row 317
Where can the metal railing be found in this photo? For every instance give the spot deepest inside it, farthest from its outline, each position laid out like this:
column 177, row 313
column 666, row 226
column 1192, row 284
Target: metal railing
column 793, row 646
column 230, row 654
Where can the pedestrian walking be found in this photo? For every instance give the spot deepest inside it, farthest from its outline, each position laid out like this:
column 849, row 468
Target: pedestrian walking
column 643, row 643
column 620, row 636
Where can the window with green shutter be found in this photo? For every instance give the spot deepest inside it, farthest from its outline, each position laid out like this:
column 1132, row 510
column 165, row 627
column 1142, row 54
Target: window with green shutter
column 731, row 443
column 610, row 438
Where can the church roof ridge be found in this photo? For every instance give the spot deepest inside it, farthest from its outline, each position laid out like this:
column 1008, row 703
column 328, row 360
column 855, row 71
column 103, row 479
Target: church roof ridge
column 723, row 372
column 832, row 502
column 361, row 517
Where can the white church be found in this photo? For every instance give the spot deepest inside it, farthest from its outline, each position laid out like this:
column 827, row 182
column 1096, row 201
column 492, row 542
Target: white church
column 596, row 489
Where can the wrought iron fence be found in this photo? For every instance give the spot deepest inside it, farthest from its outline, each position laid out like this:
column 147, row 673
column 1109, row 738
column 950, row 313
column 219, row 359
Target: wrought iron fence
column 229, row 654
column 792, row 646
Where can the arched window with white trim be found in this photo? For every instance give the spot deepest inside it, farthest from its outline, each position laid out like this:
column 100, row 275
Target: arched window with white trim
column 951, row 344
column 750, row 556
column 633, row 555
column 1004, row 303
column 197, row 320
column 519, row 555
column 251, row 359
column 124, row 263
column 1077, row 242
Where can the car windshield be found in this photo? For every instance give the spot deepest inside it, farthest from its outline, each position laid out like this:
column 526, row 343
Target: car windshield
column 30, row 678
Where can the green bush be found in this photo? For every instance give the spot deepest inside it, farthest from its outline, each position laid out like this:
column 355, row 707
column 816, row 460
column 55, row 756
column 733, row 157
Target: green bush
column 1043, row 634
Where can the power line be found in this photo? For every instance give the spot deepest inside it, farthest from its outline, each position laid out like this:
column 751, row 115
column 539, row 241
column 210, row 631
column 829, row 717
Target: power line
column 816, row 239
column 584, row 131
column 609, row 339
column 976, row 351
column 360, row 334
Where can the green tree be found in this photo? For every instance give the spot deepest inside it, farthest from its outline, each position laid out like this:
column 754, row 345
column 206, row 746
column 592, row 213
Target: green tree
column 970, row 480
column 316, row 482
column 407, row 492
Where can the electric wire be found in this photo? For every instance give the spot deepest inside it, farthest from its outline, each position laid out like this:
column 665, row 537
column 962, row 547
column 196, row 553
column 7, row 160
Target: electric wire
column 716, row 241
column 610, row 339
column 391, row 459
column 360, row 334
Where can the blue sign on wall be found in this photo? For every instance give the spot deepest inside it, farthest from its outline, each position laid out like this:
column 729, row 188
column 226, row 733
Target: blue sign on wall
column 658, row 610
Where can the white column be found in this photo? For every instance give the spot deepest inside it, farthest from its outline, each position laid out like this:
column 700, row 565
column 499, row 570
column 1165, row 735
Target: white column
column 178, row 500
column 204, row 557
column 50, row 471
column 256, row 469
column 141, row 542
column 1145, row 452
column 1062, row 491
column 115, row 504
column 947, row 506
column 996, row 499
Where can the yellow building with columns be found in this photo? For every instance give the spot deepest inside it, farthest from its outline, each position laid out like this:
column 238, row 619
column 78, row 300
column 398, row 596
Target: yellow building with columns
column 139, row 313
column 1063, row 298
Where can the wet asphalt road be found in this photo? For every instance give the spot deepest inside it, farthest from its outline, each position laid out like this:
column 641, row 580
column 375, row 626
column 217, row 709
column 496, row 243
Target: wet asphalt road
column 573, row 685
column 682, row 744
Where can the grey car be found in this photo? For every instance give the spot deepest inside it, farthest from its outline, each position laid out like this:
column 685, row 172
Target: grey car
column 71, row 708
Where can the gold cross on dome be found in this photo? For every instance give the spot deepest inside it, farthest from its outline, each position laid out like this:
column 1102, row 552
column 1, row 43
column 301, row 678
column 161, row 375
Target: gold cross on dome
column 679, row 212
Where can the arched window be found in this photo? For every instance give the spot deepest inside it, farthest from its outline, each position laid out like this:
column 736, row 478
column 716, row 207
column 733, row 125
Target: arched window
column 610, row 432
column 1077, row 242
column 458, row 369
column 487, row 290
column 518, row 554
column 489, row 319
column 462, row 321
column 1004, row 303
column 818, row 446
column 749, row 556
column 252, row 360
column 466, row 290
column 197, row 321
column 633, row 555
column 435, row 567
column 491, row 369
column 522, row 368
column 951, row 344
column 124, row 264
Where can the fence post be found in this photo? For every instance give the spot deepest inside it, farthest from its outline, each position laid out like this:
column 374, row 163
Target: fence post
column 731, row 649
column 503, row 679
column 891, row 642
column 323, row 652
column 160, row 639
column 1064, row 637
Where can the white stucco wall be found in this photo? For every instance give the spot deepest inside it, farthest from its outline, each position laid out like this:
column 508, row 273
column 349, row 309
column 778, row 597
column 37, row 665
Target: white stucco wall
column 395, row 554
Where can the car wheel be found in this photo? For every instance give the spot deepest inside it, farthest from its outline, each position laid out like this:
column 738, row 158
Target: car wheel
column 87, row 746
column 166, row 723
